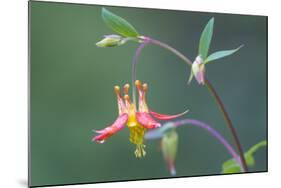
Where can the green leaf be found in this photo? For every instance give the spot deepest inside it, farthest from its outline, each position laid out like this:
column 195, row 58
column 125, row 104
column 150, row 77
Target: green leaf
column 221, row 54
column 231, row 166
column 205, row 39
column 255, row 148
column 118, row 24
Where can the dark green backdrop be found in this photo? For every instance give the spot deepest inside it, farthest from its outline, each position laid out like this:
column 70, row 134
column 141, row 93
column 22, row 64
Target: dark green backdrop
column 72, row 91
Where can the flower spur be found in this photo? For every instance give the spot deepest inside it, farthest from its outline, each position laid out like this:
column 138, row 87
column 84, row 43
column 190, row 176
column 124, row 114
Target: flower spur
column 138, row 120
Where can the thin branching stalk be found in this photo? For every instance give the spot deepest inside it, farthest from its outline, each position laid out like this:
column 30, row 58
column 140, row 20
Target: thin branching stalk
column 211, row 89
column 214, row 133
column 134, row 68
column 228, row 121
column 173, row 50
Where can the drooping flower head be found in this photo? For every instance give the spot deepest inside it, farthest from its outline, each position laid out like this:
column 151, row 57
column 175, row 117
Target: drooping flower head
column 138, row 120
column 198, row 70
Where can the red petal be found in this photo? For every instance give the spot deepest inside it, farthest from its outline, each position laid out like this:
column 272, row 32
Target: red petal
column 166, row 117
column 146, row 120
column 114, row 128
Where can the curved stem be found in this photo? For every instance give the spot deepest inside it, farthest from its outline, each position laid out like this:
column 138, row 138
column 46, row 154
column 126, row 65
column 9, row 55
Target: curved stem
column 134, row 68
column 213, row 92
column 228, row 122
column 214, row 133
column 166, row 46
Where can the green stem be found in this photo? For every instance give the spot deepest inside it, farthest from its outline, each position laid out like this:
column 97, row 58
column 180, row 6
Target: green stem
column 134, row 68
column 173, row 50
column 212, row 90
column 228, row 122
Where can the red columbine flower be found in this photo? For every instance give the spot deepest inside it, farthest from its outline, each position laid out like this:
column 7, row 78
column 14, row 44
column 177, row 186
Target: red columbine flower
column 138, row 120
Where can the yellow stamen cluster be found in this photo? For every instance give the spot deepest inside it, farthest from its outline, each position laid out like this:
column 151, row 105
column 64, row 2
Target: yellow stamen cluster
column 136, row 137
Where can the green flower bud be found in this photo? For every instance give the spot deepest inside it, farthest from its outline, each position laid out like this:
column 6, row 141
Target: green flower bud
column 111, row 41
column 198, row 70
column 169, row 147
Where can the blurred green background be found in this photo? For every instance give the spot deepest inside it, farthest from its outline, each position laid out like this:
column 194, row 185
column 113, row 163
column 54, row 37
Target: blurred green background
column 72, row 91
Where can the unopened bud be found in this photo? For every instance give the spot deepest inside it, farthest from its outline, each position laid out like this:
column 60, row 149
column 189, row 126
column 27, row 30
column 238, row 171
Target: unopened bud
column 111, row 41
column 198, row 70
column 169, row 146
